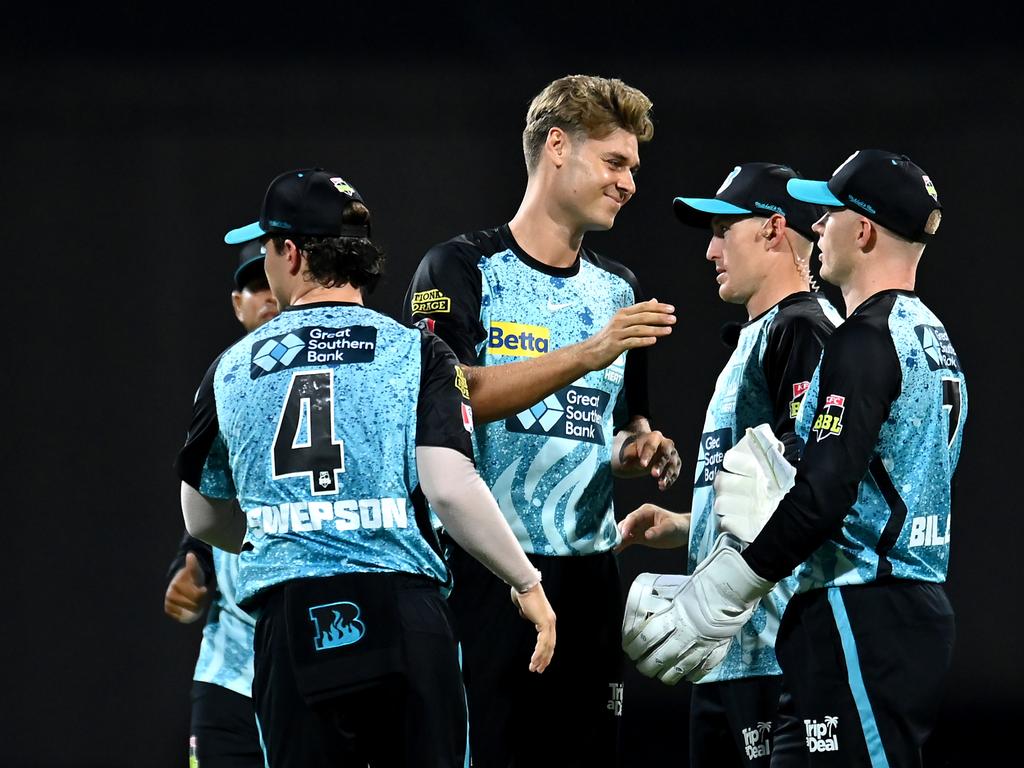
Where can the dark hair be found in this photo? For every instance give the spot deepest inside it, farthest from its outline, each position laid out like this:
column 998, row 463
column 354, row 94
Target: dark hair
column 334, row 261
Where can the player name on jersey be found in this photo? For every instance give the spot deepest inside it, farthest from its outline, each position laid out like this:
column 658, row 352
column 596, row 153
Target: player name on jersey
column 346, row 515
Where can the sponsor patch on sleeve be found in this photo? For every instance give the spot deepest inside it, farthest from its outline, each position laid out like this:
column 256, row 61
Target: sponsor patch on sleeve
column 430, row 302
column 799, row 390
column 460, row 382
column 829, row 421
column 938, row 350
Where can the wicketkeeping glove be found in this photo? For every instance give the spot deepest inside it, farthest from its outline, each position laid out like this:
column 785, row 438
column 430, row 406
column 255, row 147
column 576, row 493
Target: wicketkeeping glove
column 756, row 477
column 692, row 635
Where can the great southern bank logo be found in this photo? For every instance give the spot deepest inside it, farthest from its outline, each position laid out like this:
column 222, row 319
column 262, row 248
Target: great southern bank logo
column 574, row 412
column 313, row 345
column 336, row 625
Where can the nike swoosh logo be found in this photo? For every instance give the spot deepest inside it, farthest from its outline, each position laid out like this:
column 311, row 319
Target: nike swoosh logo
column 556, row 307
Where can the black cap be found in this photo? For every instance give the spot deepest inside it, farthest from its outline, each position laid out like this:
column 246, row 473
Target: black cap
column 250, row 263
column 309, row 201
column 757, row 189
column 882, row 186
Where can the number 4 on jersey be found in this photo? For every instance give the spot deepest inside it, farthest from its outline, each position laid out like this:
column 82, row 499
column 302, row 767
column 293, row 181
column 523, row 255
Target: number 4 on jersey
column 304, row 443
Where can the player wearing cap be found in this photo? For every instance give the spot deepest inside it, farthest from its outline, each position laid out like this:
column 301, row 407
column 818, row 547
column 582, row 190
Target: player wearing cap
column 866, row 643
column 223, row 726
column 318, row 439
column 761, row 247
column 542, row 326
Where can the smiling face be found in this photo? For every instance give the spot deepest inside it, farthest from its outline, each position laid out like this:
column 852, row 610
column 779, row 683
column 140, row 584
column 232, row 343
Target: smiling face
column 741, row 264
column 597, row 179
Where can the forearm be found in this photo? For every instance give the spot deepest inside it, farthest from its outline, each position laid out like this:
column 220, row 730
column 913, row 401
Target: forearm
column 218, row 522
column 499, row 391
column 470, row 515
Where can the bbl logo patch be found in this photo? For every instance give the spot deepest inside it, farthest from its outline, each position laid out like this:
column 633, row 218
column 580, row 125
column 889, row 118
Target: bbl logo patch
column 829, row 422
column 342, row 186
column 799, row 390
column 336, row 625
column 428, row 302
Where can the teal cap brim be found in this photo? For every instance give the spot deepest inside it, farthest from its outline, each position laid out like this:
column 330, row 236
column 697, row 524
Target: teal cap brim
column 816, row 192
column 244, row 234
column 710, row 205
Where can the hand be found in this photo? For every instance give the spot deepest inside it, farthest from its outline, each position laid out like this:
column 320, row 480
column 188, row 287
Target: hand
column 755, row 479
column 650, row 451
column 631, row 327
column 187, row 594
column 691, row 636
column 533, row 606
column 654, row 527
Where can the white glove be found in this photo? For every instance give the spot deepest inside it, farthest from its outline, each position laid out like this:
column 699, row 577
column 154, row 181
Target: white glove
column 692, row 636
column 756, row 478
column 650, row 595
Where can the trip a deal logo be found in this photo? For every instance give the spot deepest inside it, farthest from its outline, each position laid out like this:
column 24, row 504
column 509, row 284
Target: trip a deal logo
column 574, row 413
column 518, row 340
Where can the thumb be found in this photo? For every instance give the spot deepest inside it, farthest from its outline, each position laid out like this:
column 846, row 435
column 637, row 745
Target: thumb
column 194, row 569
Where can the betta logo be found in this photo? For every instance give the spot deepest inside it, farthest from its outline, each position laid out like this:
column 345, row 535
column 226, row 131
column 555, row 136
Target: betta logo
column 336, row 625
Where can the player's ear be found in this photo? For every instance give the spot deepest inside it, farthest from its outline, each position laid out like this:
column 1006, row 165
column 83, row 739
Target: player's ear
column 867, row 234
column 236, row 304
column 773, row 231
column 558, row 146
column 294, row 256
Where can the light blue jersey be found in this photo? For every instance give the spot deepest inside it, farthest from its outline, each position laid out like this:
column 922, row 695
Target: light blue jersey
column 764, row 381
column 549, row 467
column 226, row 652
column 312, row 422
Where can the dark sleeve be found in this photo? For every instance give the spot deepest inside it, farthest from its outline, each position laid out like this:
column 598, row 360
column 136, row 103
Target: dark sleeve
column 444, row 298
column 202, row 551
column 444, row 417
column 793, row 352
column 859, row 380
column 202, row 462
column 634, row 384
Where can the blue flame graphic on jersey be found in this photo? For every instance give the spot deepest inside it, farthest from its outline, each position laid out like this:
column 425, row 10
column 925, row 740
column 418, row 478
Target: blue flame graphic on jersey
column 336, row 625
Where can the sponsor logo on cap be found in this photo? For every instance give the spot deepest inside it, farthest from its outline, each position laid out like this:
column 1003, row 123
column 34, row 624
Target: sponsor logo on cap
column 518, row 340
column 428, row 302
column 769, row 207
column 860, row 203
column 342, row 186
column 930, row 189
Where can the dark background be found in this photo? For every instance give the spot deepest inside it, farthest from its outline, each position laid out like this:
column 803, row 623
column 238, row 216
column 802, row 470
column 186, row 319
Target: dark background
column 133, row 141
